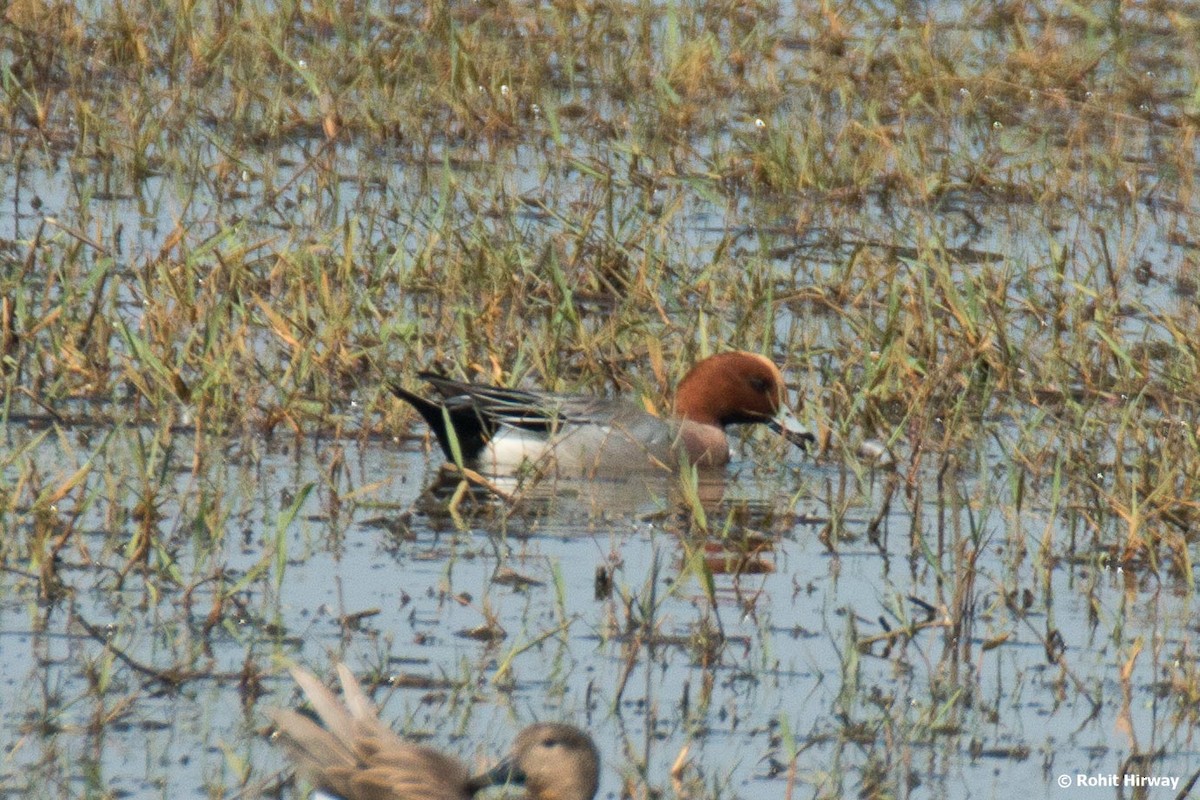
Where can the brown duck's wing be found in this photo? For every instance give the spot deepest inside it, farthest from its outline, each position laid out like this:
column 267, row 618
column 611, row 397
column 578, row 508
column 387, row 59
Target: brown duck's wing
column 474, row 412
column 314, row 749
column 410, row 772
column 356, row 757
column 492, row 406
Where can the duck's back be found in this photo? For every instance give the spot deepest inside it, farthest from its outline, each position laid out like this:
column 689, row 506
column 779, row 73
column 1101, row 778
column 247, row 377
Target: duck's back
column 589, row 436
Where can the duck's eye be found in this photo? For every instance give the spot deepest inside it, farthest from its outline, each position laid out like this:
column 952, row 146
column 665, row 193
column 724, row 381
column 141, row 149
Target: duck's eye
column 549, row 742
column 759, row 384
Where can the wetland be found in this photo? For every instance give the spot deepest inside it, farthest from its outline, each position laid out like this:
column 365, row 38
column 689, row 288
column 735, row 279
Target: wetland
column 968, row 234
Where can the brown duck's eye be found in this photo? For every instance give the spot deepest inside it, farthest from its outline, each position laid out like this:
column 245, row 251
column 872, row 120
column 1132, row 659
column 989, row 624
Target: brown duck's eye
column 549, row 742
column 759, row 384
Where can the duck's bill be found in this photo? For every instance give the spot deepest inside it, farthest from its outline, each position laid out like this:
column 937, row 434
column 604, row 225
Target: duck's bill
column 786, row 424
column 506, row 773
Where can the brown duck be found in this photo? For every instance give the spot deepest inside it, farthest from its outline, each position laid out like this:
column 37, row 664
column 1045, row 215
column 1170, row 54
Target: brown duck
column 356, row 757
column 505, row 430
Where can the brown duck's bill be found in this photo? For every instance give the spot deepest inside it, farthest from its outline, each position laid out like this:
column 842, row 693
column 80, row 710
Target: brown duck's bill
column 786, row 424
column 506, row 773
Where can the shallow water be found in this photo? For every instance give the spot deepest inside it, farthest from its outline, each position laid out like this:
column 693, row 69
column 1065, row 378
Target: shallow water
column 412, row 590
column 954, row 628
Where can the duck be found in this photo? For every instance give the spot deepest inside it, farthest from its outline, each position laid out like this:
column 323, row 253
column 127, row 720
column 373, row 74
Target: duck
column 505, row 430
column 352, row 755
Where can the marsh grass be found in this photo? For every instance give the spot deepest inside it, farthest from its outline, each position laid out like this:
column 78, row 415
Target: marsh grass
column 969, row 232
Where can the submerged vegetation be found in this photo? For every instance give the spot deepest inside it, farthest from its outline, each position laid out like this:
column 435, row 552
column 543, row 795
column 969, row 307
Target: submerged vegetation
column 970, row 232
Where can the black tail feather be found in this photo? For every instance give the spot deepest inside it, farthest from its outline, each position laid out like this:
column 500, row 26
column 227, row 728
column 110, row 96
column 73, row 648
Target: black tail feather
column 470, row 429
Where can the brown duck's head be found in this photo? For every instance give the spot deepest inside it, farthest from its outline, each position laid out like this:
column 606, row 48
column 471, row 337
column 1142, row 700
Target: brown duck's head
column 553, row 761
column 738, row 388
column 729, row 389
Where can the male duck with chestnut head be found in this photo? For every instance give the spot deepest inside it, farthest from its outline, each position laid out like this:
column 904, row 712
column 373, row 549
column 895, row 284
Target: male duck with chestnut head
column 502, row 430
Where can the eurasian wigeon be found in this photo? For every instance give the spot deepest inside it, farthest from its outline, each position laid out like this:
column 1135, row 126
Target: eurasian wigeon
column 356, row 757
column 503, row 430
